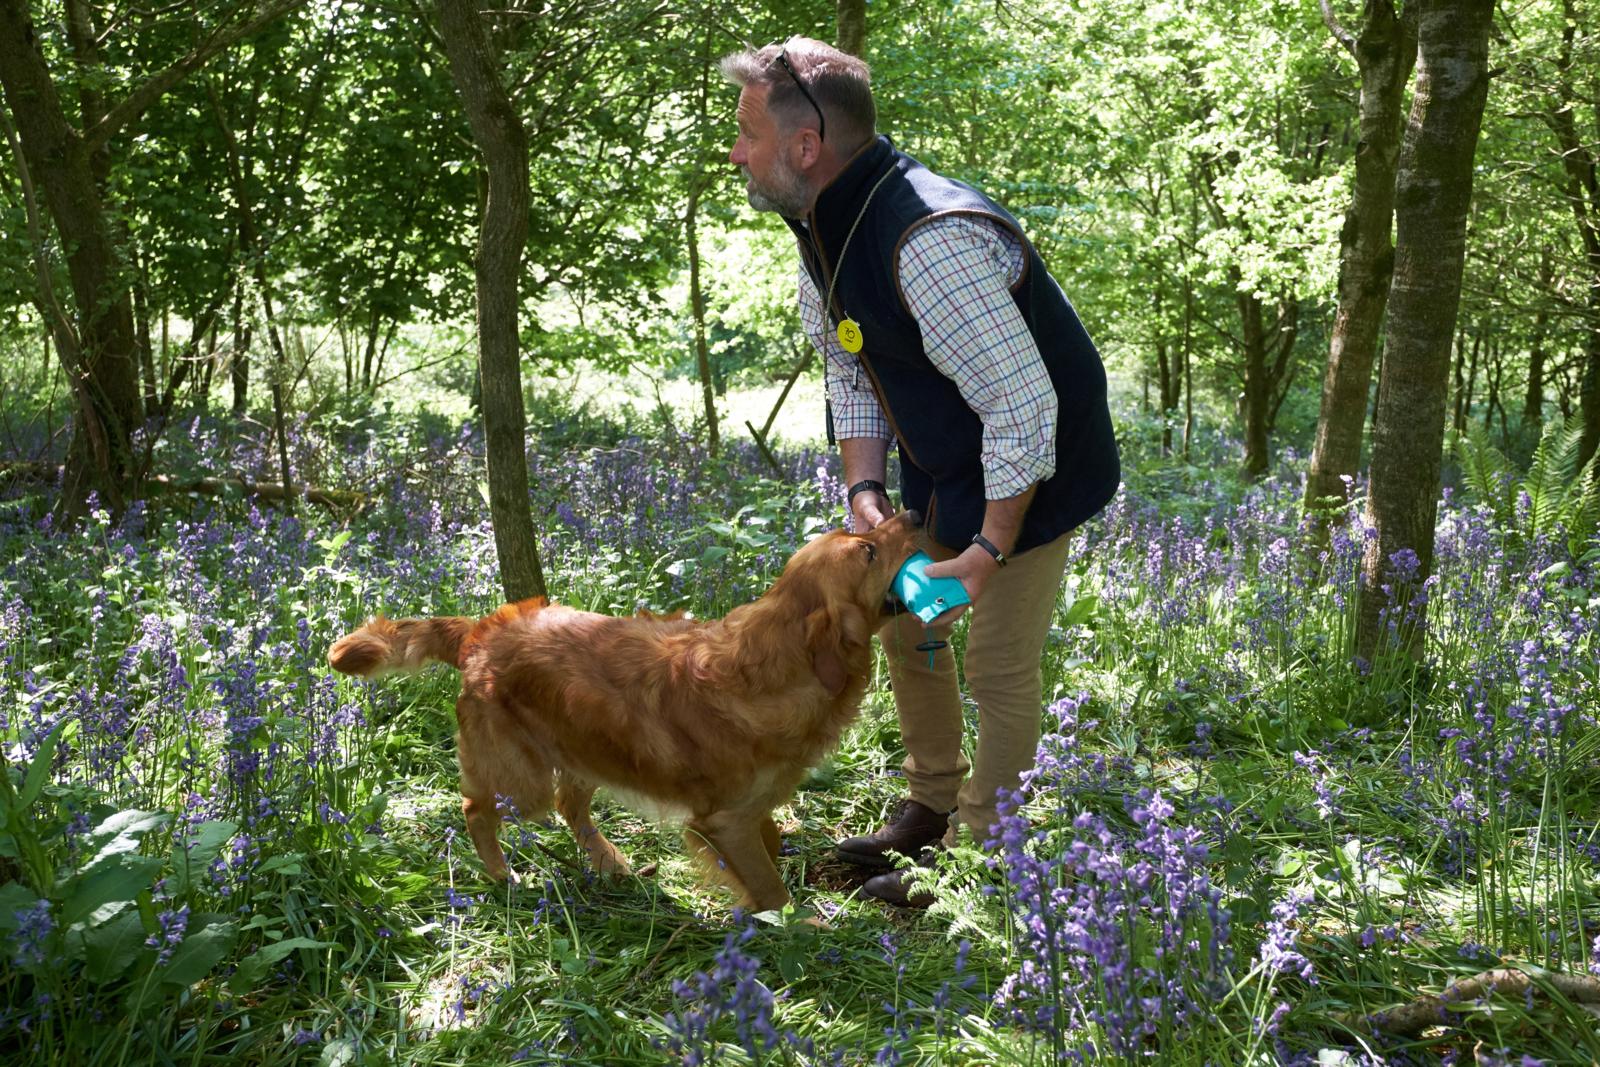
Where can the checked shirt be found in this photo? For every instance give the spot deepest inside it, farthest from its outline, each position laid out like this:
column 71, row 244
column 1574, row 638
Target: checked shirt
column 956, row 273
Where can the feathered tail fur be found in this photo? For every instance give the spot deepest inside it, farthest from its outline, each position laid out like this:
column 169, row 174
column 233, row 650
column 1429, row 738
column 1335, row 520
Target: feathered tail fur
column 400, row 645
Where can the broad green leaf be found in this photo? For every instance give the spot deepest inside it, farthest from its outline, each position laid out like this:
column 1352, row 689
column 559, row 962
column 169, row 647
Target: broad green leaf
column 14, row 897
column 124, row 879
column 256, row 965
column 200, row 951
column 188, row 864
column 124, row 829
column 39, row 769
column 109, row 949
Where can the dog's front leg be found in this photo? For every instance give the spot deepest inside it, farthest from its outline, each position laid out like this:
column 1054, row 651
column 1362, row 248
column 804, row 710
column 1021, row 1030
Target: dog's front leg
column 573, row 797
column 744, row 846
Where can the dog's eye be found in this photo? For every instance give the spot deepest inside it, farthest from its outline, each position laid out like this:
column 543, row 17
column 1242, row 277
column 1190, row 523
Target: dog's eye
column 872, row 550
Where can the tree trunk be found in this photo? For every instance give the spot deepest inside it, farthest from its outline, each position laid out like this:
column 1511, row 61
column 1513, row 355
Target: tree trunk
column 1385, row 51
column 1165, row 378
column 853, row 27
column 697, row 306
column 107, row 379
column 1533, row 399
column 1433, row 194
column 1578, row 159
column 1256, row 387
column 1188, row 373
column 503, row 143
column 254, row 252
column 239, row 366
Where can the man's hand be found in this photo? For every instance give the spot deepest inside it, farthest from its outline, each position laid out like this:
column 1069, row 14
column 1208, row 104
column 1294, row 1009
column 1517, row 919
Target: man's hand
column 973, row 569
column 870, row 508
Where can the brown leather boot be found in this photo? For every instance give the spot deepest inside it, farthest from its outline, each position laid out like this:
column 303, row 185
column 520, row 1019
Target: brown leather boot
column 914, row 829
column 894, row 887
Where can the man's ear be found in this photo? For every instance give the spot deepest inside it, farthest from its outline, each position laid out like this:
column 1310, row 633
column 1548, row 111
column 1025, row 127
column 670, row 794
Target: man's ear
column 806, row 150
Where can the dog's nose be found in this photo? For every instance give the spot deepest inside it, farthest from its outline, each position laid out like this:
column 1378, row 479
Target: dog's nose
column 913, row 516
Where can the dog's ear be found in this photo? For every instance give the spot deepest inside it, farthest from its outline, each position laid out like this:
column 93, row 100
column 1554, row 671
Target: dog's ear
column 836, row 637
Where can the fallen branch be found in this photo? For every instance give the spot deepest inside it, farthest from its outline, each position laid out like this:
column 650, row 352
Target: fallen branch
column 1409, row 1020
column 338, row 499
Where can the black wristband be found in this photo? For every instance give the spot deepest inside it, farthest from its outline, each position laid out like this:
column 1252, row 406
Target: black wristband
column 863, row 486
column 988, row 546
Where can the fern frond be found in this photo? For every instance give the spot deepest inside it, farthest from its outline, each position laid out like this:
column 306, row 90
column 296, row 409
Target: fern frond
column 1486, row 472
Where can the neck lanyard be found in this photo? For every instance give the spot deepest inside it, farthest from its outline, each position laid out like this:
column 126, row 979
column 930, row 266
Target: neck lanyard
column 850, row 329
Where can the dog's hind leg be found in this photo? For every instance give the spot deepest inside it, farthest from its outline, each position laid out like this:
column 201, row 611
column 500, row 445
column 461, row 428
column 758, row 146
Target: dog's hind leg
column 573, row 796
column 497, row 779
column 741, row 847
column 770, row 836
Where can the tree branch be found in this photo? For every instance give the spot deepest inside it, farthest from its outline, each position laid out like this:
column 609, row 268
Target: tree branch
column 138, row 101
column 1340, row 34
column 1409, row 1020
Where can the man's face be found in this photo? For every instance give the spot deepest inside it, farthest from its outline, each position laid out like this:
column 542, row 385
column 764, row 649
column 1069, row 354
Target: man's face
column 763, row 152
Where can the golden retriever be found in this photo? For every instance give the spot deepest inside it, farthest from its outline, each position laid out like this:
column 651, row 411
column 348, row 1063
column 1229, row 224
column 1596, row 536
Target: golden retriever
column 716, row 720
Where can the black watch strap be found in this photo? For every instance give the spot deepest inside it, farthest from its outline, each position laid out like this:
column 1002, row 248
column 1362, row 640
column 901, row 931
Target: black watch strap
column 863, row 486
column 988, row 546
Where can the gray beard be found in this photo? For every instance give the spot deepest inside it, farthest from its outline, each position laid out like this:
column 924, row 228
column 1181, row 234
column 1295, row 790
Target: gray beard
column 788, row 195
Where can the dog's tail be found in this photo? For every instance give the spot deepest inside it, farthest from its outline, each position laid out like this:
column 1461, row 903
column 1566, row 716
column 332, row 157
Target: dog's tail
column 400, row 645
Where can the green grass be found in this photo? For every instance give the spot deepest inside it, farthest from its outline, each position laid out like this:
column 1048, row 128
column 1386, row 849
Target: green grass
column 369, row 924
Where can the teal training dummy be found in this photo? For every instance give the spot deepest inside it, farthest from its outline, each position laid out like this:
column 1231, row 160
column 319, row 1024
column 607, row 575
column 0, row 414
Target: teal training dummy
column 928, row 598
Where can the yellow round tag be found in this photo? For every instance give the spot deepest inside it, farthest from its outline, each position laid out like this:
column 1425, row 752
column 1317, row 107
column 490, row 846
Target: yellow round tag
column 850, row 335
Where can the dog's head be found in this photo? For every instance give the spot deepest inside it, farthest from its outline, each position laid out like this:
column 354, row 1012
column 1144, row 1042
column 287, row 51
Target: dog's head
column 838, row 582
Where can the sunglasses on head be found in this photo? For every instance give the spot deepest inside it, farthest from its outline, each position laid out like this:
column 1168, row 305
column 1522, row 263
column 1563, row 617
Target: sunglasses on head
column 822, row 124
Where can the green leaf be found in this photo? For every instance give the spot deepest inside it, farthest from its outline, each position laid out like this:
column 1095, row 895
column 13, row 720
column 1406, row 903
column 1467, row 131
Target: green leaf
column 199, row 952
column 209, row 839
column 111, row 948
column 113, row 881
column 13, row 898
column 1082, row 610
column 124, row 829
column 39, row 769
column 256, row 965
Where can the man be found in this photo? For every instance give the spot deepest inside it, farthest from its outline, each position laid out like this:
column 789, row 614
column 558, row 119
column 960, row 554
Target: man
column 942, row 331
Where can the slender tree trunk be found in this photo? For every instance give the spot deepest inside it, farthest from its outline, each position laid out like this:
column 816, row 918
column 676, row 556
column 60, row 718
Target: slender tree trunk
column 141, row 332
column 1257, row 389
column 853, row 27
column 254, row 252
column 1385, row 51
column 1433, row 194
column 1164, row 374
column 1472, row 379
column 697, row 305
column 239, row 363
column 1533, row 399
column 1188, row 374
column 1578, row 160
column 503, row 143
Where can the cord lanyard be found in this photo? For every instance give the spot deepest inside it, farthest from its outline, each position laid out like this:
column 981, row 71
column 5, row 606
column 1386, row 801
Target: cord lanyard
column 849, row 329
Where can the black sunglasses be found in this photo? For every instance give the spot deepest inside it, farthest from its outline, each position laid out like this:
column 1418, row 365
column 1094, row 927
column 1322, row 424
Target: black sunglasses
column 822, row 123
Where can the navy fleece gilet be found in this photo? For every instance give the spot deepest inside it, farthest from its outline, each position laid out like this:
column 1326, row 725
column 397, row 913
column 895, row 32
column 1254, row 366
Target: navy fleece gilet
column 940, row 438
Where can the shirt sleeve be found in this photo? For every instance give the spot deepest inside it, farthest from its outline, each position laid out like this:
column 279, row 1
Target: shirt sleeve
column 956, row 273
column 856, row 412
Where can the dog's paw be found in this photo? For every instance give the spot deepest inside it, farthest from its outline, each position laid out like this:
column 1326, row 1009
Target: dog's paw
column 609, row 863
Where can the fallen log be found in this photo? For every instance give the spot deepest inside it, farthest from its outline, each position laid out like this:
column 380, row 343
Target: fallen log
column 1409, row 1020
column 336, row 499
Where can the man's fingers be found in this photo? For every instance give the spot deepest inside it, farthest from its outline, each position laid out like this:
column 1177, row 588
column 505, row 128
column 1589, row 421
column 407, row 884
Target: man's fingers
column 872, row 509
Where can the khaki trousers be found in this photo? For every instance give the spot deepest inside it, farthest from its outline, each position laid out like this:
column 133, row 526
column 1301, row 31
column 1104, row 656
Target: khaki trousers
column 1005, row 642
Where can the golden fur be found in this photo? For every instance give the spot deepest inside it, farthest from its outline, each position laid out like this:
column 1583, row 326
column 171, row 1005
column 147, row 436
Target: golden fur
column 717, row 719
